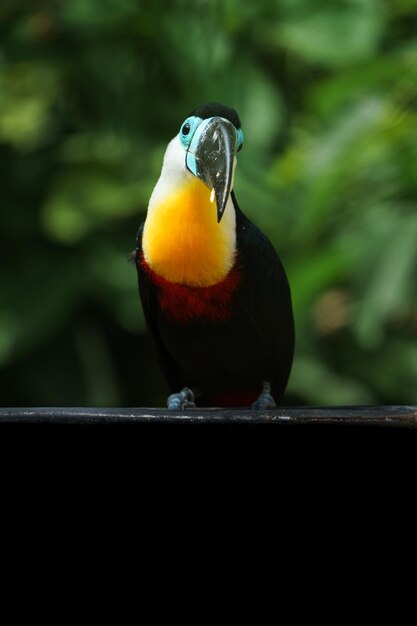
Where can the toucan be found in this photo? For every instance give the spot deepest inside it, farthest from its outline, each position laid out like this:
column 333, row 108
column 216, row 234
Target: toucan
column 215, row 295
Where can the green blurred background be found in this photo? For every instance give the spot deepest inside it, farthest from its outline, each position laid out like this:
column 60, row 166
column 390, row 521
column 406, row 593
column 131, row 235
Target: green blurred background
column 91, row 91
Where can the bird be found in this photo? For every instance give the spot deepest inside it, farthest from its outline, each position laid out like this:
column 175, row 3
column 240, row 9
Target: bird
column 215, row 294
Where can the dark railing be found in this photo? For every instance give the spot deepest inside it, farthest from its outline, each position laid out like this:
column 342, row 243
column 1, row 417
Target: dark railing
column 396, row 416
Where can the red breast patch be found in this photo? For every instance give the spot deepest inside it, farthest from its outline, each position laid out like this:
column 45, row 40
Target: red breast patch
column 182, row 303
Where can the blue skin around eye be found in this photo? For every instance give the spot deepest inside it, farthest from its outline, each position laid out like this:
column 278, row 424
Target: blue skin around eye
column 193, row 122
column 239, row 137
column 197, row 126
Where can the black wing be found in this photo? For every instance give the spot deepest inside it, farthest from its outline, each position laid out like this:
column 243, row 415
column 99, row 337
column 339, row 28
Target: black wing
column 265, row 298
column 148, row 296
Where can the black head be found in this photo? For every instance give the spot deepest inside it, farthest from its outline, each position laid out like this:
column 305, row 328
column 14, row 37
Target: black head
column 214, row 109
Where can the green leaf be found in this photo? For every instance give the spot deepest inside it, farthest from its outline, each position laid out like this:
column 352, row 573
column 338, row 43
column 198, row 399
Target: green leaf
column 84, row 200
column 318, row 384
column 334, row 35
column 28, row 91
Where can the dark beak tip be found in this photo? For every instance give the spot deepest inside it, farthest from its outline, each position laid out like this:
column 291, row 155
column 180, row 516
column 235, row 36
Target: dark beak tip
column 221, row 201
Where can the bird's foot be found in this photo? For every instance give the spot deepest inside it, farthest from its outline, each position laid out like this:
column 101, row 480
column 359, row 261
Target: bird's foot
column 184, row 399
column 265, row 399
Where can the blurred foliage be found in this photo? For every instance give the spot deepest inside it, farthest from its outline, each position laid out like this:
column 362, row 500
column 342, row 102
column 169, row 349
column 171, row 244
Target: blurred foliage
column 90, row 93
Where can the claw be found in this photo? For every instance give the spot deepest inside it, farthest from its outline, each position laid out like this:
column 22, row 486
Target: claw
column 265, row 399
column 184, row 399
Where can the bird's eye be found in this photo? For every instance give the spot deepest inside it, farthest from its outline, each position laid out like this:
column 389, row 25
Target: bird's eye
column 187, row 130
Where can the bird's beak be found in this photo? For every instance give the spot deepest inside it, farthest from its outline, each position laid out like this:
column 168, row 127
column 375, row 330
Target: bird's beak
column 210, row 156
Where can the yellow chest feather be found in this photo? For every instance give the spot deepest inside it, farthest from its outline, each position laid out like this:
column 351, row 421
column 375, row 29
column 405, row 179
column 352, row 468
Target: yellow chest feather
column 182, row 241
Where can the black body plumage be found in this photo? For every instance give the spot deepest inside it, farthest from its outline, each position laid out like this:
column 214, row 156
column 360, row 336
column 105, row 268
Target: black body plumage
column 214, row 357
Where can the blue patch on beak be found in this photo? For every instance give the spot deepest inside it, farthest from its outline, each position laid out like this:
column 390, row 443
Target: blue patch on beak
column 191, row 161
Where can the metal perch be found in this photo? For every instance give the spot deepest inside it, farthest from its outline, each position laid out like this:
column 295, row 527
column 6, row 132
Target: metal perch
column 396, row 416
